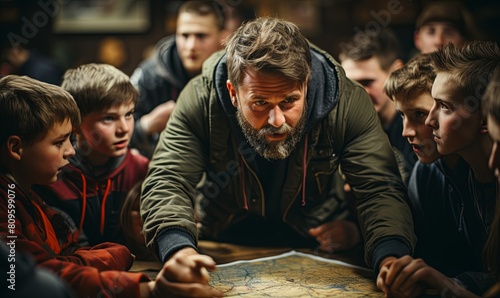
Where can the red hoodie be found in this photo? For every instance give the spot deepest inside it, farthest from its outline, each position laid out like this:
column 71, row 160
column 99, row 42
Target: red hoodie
column 36, row 228
column 94, row 203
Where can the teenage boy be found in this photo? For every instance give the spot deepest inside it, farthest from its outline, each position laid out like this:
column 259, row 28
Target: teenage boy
column 369, row 62
column 410, row 89
column 94, row 185
column 177, row 58
column 37, row 120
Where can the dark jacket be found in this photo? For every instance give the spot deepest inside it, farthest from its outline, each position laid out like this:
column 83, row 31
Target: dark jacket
column 79, row 186
column 158, row 80
column 343, row 130
column 450, row 232
column 44, row 233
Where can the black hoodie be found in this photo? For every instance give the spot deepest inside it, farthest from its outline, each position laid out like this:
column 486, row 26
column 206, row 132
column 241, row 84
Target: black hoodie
column 158, row 80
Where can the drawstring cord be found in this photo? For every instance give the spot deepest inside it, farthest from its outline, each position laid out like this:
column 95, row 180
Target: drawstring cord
column 84, row 203
column 103, row 204
column 245, row 206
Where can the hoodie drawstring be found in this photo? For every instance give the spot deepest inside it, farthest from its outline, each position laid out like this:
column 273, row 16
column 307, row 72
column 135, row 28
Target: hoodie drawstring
column 245, row 205
column 304, row 172
column 103, row 204
column 84, row 203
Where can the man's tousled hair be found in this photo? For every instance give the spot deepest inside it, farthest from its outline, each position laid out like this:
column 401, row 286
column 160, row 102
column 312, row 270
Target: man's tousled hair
column 268, row 45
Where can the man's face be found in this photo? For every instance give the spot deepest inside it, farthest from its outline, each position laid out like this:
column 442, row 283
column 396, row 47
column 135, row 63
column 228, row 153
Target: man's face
column 456, row 122
column 434, row 35
column 414, row 112
column 197, row 37
column 271, row 112
column 372, row 77
column 106, row 134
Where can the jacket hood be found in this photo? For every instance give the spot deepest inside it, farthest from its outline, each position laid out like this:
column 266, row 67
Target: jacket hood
column 169, row 63
column 322, row 90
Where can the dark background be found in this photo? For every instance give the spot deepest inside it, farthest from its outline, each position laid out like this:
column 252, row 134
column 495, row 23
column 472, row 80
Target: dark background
column 326, row 23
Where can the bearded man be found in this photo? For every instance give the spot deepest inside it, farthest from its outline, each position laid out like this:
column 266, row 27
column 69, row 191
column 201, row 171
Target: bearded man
column 268, row 123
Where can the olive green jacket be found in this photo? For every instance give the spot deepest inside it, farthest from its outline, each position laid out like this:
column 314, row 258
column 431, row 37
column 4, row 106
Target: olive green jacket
column 344, row 130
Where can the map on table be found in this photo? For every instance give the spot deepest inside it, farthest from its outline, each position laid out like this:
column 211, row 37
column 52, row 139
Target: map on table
column 293, row 274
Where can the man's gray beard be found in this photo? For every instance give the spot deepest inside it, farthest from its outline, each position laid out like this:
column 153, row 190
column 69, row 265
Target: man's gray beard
column 272, row 150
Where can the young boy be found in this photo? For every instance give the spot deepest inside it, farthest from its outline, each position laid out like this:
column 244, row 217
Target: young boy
column 177, row 58
column 93, row 186
column 410, row 89
column 458, row 128
column 37, row 120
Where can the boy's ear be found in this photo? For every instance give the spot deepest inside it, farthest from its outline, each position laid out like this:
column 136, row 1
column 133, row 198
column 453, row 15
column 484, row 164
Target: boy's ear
column 14, row 147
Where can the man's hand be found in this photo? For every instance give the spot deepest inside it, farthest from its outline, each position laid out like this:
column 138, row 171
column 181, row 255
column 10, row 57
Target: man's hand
column 185, row 274
column 157, row 119
column 336, row 235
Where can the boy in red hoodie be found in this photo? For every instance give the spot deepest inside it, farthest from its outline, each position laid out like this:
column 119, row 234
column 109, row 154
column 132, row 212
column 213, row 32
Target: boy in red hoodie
column 37, row 120
column 92, row 188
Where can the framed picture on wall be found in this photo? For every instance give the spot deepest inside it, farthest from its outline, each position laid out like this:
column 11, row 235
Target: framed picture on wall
column 102, row 16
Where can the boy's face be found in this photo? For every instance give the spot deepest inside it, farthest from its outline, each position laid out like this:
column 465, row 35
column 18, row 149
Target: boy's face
column 456, row 123
column 108, row 133
column 197, row 37
column 434, row 35
column 494, row 131
column 370, row 74
column 43, row 160
column 414, row 112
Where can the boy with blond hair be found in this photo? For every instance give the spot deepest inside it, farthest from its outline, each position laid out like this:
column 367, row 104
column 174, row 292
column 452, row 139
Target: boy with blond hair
column 410, row 89
column 93, row 186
